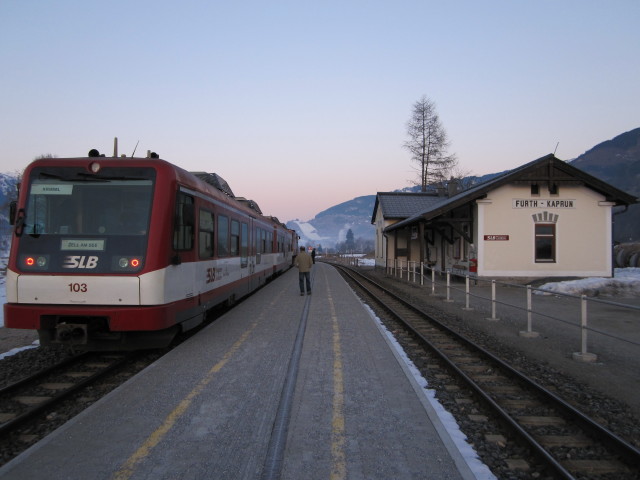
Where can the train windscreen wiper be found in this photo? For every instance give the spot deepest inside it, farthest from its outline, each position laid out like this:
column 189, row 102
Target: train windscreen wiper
column 92, row 177
column 69, row 179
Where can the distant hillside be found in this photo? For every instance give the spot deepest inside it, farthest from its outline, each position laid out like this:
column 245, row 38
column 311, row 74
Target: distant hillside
column 617, row 162
column 331, row 226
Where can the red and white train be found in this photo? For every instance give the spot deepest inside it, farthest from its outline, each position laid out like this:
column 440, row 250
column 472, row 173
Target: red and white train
column 124, row 253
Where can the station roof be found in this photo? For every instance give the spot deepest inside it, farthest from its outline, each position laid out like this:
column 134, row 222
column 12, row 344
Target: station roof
column 400, row 205
column 548, row 169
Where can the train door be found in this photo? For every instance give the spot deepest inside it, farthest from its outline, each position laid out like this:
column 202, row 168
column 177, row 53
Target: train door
column 275, row 248
column 183, row 273
column 251, row 242
column 245, row 266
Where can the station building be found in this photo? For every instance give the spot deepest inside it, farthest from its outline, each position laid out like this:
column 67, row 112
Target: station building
column 543, row 219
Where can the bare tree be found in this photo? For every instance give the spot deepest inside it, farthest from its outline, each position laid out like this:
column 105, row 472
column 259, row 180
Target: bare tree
column 464, row 177
column 428, row 144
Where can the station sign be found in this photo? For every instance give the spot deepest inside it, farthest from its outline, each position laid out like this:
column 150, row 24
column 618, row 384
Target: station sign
column 542, row 203
column 496, row 238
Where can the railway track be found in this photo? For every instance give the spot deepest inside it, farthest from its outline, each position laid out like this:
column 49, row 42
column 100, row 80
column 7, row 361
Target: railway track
column 554, row 438
column 34, row 406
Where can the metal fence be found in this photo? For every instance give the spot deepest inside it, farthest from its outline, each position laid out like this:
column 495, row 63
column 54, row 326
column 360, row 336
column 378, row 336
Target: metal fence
column 590, row 322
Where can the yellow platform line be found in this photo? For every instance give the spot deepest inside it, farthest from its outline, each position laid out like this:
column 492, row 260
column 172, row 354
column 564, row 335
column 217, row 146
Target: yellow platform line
column 127, row 469
column 338, row 440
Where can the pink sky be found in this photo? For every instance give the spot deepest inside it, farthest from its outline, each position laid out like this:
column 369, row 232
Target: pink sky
column 302, row 106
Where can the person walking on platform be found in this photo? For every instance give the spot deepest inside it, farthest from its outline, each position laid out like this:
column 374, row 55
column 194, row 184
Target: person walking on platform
column 313, row 255
column 304, row 263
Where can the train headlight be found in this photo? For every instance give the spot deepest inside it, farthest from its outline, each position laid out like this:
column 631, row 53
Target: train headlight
column 126, row 264
column 34, row 262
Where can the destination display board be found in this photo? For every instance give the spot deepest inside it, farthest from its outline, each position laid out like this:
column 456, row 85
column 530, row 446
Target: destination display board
column 81, row 244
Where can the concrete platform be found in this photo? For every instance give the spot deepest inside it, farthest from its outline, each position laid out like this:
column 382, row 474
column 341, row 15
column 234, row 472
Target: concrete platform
column 207, row 409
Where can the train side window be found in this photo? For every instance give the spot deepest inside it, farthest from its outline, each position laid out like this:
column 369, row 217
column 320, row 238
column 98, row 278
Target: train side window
column 184, row 222
column 244, row 245
column 235, row 238
column 223, row 236
column 205, row 234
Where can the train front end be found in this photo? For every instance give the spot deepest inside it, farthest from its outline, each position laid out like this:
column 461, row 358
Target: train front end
column 80, row 246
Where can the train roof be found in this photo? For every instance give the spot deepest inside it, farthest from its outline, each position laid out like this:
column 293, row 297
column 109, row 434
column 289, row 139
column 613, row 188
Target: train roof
column 249, row 203
column 215, row 180
column 211, row 179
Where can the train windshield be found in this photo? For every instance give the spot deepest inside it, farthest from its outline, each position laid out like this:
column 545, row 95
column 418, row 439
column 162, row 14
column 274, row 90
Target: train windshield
column 72, row 215
column 67, row 201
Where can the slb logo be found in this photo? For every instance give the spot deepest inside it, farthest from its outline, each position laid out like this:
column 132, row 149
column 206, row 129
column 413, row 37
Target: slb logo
column 211, row 275
column 77, row 261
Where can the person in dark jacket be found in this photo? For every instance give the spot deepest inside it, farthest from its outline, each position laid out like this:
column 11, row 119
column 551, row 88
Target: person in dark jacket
column 304, row 264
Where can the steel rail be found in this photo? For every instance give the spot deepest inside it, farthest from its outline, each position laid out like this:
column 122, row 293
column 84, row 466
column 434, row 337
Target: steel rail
column 622, row 447
column 29, row 413
column 46, row 371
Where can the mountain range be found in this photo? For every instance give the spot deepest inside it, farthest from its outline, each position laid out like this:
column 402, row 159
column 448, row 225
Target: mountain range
column 615, row 161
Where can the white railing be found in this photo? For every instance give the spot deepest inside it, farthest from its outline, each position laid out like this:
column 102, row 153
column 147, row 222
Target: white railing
column 590, row 316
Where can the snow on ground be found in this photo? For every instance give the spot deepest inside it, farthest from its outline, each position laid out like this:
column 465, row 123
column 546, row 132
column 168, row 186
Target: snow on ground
column 3, row 300
column 479, row 469
column 362, row 262
column 13, row 351
column 625, row 283
column 309, row 231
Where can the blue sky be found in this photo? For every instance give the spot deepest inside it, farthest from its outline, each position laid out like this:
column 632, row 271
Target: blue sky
column 302, row 105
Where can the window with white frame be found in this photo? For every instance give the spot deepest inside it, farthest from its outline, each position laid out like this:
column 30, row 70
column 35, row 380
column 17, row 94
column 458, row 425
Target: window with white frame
column 545, row 237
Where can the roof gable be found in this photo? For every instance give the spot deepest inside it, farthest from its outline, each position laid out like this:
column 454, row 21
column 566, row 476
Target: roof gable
column 548, row 169
column 400, row 205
